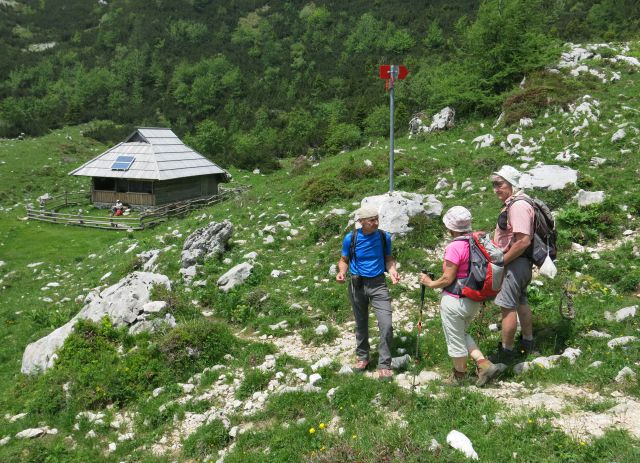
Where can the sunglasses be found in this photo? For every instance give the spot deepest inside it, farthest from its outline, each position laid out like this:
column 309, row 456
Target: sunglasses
column 498, row 184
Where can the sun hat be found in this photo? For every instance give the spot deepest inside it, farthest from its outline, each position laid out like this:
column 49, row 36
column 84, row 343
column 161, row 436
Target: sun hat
column 510, row 174
column 365, row 212
column 457, row 219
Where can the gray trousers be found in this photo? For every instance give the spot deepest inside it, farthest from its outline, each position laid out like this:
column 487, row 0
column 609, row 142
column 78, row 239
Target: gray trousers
column 372, row 291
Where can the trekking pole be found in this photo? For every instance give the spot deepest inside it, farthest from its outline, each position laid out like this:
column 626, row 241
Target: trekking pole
column 422, row 290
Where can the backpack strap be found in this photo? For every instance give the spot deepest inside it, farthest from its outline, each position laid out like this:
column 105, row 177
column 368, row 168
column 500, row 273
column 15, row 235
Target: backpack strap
column 459, row 283
column 528, row 253
column 354, row 238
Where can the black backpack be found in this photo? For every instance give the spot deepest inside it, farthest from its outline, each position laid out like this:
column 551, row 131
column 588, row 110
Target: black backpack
column 354, row 238
column 545, row 236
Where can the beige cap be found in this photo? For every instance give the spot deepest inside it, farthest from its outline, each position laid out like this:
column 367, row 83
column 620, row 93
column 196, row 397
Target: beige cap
column 510, row 174
column 457, row 219
column 365, row 212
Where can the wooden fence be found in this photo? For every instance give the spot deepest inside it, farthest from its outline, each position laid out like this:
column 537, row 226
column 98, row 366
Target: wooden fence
column 148, row 218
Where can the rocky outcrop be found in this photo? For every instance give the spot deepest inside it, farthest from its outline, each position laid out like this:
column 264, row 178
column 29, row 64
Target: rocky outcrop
column 206, row 242
column 445, row 119
column 397, row 208
column 125, row 303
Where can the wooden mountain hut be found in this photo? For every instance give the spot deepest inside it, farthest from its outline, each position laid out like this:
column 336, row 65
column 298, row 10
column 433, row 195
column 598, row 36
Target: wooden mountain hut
column 150, row 168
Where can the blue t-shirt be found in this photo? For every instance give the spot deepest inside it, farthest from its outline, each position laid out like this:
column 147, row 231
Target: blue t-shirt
column 368, row 260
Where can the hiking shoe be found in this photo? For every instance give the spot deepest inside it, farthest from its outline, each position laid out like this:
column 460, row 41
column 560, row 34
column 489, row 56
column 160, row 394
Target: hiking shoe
column 528, row 347
column 456, row 378
column 502, row 355
column 385, row 375
column 361, row 365
column 488, row 371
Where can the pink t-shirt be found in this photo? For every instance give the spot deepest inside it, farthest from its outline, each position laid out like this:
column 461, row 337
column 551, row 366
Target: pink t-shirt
column 520, row 220
column 457, row 252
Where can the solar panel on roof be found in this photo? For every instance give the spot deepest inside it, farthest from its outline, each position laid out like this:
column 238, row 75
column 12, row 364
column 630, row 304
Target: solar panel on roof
column 123, row 163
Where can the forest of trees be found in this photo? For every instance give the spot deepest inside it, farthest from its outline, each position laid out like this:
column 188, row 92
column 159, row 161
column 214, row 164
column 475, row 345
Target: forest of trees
column 247, row 82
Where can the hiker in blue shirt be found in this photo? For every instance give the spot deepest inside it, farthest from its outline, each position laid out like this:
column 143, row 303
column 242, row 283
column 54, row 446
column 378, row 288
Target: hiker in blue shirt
column 366, row 252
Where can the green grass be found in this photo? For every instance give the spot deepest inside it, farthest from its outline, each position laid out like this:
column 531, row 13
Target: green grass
column 106, row 367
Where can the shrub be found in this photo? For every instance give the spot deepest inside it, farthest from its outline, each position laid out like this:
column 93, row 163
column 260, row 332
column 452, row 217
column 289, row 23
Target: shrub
column 318, row 191
column 352, row 172
column 326, row 227
column 108, row 132
column 541, row 91
column 196, row 344
column 343, row 136
column 376, row 123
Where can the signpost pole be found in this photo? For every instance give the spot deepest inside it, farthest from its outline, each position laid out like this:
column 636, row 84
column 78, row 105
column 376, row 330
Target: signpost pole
column 394, row 74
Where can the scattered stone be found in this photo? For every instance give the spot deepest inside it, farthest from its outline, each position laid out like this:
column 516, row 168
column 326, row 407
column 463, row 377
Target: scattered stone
column 625, row 374
column 235, row 276
column 622, row 314
column 314, row 378
column 621, row 341
column 345, row 370
column 483, row 141
column 596, row 364
column 587, row 198
column 596, row 334
column 618, row 136
column 5, row 440
column 323, row 362
column 321, row 330
column 460, row 442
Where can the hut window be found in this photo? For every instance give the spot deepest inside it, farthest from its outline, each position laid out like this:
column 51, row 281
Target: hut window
column 122, row 185
column 140, row 187
column 104, row 183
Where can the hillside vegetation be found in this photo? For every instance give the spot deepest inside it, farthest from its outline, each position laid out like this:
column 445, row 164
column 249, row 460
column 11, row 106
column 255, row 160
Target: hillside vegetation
column 230, row 377
column 249, row 82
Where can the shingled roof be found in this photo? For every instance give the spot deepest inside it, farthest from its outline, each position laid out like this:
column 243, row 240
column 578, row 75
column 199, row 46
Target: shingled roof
column 158, row 155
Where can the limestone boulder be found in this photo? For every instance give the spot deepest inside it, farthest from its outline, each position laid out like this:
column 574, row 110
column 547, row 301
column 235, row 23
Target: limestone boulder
column 235, row 276
column 206, row 242
column 549, row 177
column 124, row 303
column 397, row 208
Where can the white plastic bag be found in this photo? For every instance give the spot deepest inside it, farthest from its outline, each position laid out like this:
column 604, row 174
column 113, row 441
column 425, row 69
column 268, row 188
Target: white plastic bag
column 548, row 268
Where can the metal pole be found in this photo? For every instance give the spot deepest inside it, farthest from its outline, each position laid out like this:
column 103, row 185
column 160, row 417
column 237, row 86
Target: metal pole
column 394, row 74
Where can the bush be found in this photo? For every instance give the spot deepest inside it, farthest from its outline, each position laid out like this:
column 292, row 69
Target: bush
column 541, row 91
column 326, row 227
column 343, row 137
column 196, row 344
column 318, row 191
column 108, row 132
column 376, row 123
column 352, row 172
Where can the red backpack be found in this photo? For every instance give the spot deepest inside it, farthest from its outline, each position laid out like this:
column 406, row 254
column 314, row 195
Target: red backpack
column 486, row 269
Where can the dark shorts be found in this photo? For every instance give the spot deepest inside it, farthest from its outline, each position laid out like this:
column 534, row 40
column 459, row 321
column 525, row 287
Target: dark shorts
column 517, row 276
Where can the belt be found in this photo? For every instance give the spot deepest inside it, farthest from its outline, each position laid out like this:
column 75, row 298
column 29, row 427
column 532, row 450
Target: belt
column 369, row 278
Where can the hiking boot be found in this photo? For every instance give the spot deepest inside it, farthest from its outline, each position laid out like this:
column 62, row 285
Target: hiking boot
column 456, row 378
column 528, row 347
column 488, row 371
column 385, row 374
column 502, row 355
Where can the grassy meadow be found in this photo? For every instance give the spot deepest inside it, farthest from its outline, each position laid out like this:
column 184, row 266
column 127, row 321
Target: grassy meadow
column 104, row 369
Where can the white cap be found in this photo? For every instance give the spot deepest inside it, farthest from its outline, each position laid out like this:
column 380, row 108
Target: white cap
column 510, row 174
column 365, row 212
column 458, row 219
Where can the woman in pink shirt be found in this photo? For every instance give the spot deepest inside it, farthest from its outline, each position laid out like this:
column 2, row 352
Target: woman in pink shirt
column 457, row 311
